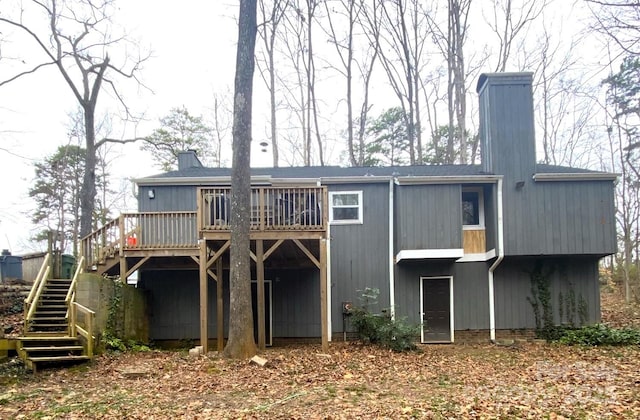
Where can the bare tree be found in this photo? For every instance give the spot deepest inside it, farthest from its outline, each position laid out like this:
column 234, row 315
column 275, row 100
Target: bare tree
column 272, row 11
column 241, row 343
column 75, row 38
column 510, row 21
column 619, row 20
column 401, row 44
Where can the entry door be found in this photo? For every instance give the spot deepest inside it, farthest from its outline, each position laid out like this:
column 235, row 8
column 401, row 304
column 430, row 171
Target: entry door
column 267, row 310
column 436, row 305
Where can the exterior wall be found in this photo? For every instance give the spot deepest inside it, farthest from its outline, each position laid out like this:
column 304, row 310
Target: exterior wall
column 167, row 198
column 360, row 252
column 174, row 305
column 470, row 291
column 407, row 285
column 428, row 217
column 577, row 276
column 490, row 216
column 566, row 218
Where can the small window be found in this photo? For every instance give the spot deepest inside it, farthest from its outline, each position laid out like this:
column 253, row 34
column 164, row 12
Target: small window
column 346, row 207
column 472, row 208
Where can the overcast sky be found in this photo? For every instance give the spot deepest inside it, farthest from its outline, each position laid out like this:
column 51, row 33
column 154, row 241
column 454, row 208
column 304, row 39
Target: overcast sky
column 193, row 46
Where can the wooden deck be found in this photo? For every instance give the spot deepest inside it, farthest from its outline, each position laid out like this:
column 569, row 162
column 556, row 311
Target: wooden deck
column 288, row 225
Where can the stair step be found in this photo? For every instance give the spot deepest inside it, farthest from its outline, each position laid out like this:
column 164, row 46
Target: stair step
column 57, row 358
column 50, row 318
column 52, row 348
column 47, row 338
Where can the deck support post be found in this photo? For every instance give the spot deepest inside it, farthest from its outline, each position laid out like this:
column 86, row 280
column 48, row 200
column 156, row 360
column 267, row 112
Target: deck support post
column 204, row 294
column 219, row 307
column 260, row 293
column 323, row 296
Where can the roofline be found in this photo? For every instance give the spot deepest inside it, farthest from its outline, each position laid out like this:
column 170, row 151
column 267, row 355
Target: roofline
column 576, row 176
column 445, row 179
column 197, row 180
column 360, row 179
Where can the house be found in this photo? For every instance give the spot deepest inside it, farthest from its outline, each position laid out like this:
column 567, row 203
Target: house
column 465, row 250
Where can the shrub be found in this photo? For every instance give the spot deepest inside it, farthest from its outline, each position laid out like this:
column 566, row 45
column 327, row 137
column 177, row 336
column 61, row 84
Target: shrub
column 380, row 328
column 600, row 335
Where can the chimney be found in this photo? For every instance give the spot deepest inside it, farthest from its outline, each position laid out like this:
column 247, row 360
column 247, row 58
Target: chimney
column 506, row 125
column 188, row 159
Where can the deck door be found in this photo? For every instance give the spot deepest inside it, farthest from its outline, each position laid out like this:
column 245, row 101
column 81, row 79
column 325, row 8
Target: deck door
column 437, row 309
column 267, row 310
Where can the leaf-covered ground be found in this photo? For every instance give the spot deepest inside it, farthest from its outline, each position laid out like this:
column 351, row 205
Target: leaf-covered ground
column 527, row 380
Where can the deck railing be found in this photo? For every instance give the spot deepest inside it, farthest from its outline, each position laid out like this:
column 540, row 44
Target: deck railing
column 140, row 231
column 272, row 208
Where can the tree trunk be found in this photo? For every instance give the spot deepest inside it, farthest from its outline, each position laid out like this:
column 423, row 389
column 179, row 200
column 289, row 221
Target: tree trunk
column 241, row 344
column 88, row 190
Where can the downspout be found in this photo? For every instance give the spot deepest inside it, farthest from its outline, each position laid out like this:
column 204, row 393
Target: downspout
column 496, row 263
column 329, row 319
column 392, row 289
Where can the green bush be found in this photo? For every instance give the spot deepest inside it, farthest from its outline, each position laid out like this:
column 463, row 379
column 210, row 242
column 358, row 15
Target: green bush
column 380, row 328
column 600, row 335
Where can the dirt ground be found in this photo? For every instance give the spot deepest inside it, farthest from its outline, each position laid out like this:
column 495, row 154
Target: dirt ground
column 527, row 380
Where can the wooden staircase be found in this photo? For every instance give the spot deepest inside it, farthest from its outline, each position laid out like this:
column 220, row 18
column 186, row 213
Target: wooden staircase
column 50, row 331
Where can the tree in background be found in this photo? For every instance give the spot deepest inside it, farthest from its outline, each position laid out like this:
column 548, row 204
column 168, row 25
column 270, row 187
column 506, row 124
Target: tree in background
column 180, row 131
column 241, row 344
column 56, row 192
column 390, row 144
column 74, row 37
column 623, row 95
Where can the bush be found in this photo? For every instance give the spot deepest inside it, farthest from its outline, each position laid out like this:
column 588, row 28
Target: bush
column 601, row 335
column 381, row 329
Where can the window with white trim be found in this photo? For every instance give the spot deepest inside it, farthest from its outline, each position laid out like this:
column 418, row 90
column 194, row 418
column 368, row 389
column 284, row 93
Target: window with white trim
column 472, row 208
column 346, row 207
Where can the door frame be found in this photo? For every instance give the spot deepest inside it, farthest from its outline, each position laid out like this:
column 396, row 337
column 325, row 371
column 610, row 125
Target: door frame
column 269, row 314
column 451, row 312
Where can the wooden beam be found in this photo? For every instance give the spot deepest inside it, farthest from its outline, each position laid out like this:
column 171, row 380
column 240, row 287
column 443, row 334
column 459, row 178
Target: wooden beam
column 123, row 269
column 324, row 321
column 136, row 266
column 253, row 256
column 260, row 289
column 307, row 252
column 218, row 253
column 273, row 248
column 211, row 273
column 220, row 307
column 204, row 301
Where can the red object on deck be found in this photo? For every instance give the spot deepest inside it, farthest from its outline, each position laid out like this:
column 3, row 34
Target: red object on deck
column 132, row 241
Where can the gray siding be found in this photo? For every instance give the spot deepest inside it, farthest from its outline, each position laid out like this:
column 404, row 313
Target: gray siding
column 471, row 296
column 561, row 218
column 507, row 125
column 470, row 291
column 174, row 305
column 360, row 252
column 407, row 285
column 428, row 217
column 569, row 276
column 167, row 198
column 490, row 216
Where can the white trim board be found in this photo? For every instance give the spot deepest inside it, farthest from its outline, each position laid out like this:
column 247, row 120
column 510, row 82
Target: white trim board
column 429, row 254
column 481, row 256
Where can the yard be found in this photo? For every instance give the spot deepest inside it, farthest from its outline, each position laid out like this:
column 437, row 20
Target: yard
column 351, row 381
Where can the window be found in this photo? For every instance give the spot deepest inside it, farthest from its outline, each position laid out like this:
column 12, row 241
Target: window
column 472, row 208
column 346, row 207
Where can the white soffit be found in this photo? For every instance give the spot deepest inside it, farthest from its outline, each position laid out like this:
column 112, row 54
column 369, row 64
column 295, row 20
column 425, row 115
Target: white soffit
column 429, row 254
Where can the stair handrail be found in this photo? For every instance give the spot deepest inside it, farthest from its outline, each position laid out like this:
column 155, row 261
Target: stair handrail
column 87, row 330
column 74, row 281
column 31, row 307
column 41, row 275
